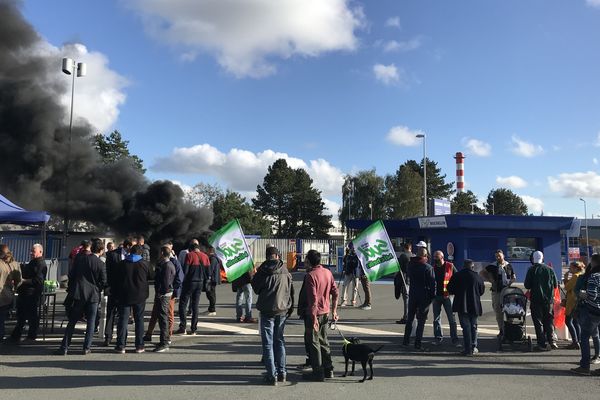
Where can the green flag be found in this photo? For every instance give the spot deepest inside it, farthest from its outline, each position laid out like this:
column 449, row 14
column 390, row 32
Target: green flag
column 375, row 252
column 232, row 250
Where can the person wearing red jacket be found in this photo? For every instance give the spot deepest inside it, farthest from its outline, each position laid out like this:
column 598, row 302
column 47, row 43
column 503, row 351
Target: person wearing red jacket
column 443, row 272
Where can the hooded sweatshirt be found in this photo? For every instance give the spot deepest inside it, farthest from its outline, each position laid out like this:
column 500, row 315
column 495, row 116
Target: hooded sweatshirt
column 273, row 284
column 133, row 277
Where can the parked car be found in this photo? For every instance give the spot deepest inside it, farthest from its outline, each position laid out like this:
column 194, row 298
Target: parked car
column 520, row 252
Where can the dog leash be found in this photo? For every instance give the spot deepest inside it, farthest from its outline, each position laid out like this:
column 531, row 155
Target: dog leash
column 333, row 326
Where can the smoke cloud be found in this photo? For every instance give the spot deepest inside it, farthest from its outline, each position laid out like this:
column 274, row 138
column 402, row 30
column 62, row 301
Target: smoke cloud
column 34, row 147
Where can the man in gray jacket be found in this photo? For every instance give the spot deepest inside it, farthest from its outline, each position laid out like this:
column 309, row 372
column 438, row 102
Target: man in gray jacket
column 273, row 284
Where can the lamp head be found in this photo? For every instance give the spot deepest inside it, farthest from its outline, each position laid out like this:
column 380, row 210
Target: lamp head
column 67, row 65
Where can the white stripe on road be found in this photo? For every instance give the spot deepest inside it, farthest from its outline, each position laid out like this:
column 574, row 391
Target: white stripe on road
column 367, row 331
column 227, row 328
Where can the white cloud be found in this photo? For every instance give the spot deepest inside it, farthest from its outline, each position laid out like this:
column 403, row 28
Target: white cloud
column 597, row 142
column 513, row 182
column 242, row 170
column 525, row 149
column 595, row 161
column 387, row 74
column 409, row 45
column 403, row 136
column 98, row 95
column 246, row 35
column 577, row 184
column 593, row 3
column 393, row 22
column 534, row 205
column 477, row 147
column 331, row 208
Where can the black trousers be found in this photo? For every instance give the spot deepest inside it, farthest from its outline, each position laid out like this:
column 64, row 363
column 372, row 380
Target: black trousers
column 211, row 295
column 191, row 292
column 420, row 310
column 27, row 311
column 111, row 317
column 318, row 344
column 543, row 321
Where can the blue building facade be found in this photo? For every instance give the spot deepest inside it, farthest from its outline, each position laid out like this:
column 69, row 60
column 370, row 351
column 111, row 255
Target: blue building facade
column 477, row 237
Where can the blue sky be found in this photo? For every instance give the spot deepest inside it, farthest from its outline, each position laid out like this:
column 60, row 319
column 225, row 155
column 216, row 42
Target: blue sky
column 214, row 90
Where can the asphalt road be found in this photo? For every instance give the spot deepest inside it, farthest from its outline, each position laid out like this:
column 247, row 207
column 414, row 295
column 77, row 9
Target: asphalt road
column 223, row 363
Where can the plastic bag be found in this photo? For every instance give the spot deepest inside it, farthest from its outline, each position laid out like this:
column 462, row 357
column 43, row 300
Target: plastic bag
column 559, row 310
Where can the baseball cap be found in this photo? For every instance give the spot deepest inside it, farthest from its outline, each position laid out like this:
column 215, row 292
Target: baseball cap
column 421, row 244
column 538, row 257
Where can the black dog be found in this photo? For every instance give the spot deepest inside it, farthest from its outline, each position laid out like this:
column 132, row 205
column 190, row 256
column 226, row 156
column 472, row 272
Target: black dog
column 355, row 351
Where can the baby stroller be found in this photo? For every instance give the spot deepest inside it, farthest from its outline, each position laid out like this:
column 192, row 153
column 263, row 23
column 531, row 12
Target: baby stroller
column 514, row 308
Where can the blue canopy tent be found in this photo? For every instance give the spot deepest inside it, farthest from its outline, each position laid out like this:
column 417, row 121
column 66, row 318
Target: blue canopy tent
column 11, row 213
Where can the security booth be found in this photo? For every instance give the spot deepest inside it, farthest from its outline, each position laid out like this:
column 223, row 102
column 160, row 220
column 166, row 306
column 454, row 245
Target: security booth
column 477, row 237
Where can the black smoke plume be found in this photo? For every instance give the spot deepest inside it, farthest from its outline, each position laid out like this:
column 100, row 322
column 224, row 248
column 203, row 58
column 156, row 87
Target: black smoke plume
column 34, row 145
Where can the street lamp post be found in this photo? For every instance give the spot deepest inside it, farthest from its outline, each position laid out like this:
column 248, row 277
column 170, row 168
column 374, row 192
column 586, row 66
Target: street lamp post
column 422, row 136
column 69, row 67
column 587, row 237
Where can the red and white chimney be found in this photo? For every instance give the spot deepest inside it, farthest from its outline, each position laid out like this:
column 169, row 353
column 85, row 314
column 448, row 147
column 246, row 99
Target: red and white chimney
column 460, row 172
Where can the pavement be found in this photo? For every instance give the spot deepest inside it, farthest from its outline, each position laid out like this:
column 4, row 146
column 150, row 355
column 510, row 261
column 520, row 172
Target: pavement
column 223, row 362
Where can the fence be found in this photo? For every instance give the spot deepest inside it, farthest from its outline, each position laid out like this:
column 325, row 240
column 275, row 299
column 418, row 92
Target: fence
column 294, row 250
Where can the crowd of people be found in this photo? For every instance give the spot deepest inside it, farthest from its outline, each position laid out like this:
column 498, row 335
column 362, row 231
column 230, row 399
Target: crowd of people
column 122, row 274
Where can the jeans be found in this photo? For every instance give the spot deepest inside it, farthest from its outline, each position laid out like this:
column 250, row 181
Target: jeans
column 589, row 325
column 320, row 352
column 243, row 302
column 405, row 304
column 468, row 324
column 574, row 328
column 191, row 291
column 27, row 310
column 420, row 310
column 138, row 317
column 273, row 344
column 350, row 279
column 80, row 308
column 446, row 302
column 543, row 321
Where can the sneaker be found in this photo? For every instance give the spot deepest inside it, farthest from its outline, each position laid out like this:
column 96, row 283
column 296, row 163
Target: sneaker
column 240, row 319
column 192, row 333
column 140, row 350
column 438, row 341
column 401, row 321
column 581, row 371
column 119, row 350
column 541, row 348
column 147, row 339
column 250, row 320
column 554, row 346
column 169, row 342
column 85, row 352
column 180, row 331
column 595, row 360
column 161, row 349
column 466, row 354
column 344, row 304
column 573, row 346
column 365, row 307
column 595, row 372
column 106, row 343
column 281, row 378
column 475, row 350
column 212, row 314
column 329, row 374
